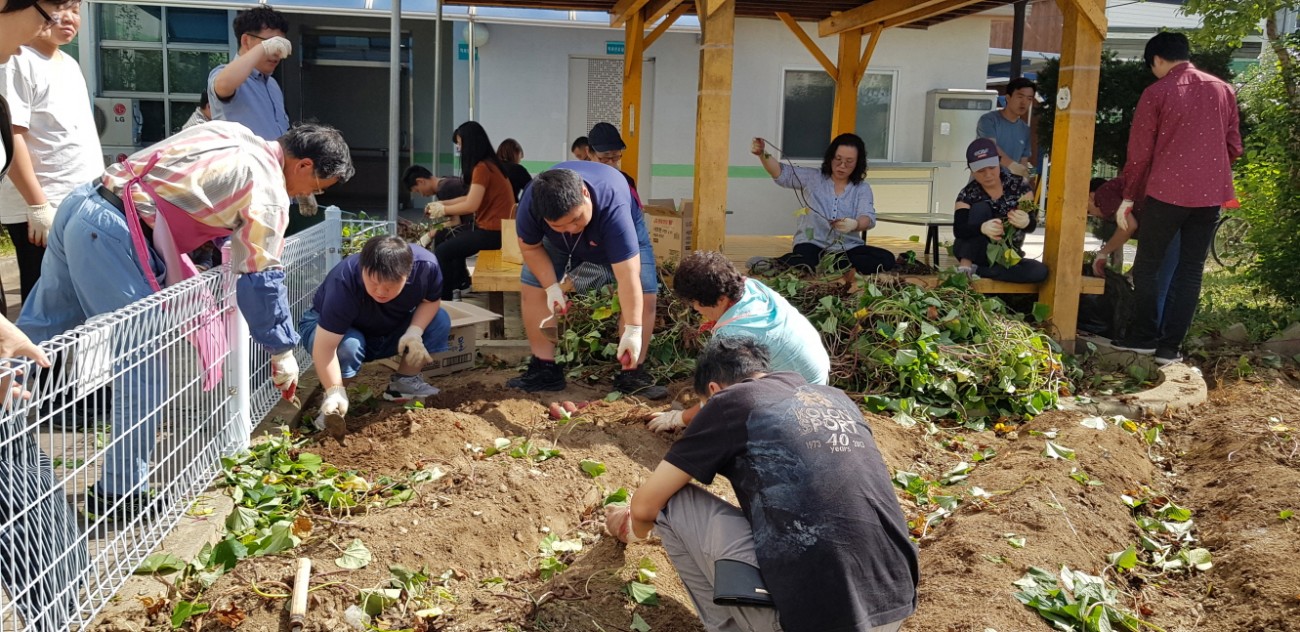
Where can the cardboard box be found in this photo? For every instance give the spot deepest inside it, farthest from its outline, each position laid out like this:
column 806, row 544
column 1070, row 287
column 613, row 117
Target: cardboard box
column 670, row 231
column 461, row 342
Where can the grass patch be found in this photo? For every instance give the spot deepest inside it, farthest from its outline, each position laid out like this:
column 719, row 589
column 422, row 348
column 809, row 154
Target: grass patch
column 1229, row 297
column 6, row 244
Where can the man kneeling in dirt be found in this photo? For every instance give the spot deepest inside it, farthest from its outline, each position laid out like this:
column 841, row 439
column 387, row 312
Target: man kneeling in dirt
column 384, row 301
column 818, row 543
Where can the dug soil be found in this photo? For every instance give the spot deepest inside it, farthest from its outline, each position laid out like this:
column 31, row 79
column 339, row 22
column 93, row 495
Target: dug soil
column 1234, row 461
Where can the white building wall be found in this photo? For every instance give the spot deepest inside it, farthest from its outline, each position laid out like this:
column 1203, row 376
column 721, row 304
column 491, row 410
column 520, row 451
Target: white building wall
column 524, row 94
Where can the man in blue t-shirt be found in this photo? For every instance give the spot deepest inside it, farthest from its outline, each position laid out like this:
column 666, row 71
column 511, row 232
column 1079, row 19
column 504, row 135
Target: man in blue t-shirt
column 1007, row 127
column 578, row 221
column 819, row 532
column 381, row 302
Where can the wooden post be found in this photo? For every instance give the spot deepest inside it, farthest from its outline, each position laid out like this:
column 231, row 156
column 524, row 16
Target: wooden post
column 633, row 61
column 1072, row 139
column 713, row 122
column 844, row 118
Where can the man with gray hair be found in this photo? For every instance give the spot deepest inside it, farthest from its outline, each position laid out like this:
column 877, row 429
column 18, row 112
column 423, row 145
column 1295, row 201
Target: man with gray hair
column 578, row 220
column 123, row 237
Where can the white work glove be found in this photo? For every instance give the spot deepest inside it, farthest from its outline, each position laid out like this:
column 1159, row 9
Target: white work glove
column 845, row 224
column 277, row 47
column 618, row 522
column 307, row 205
column 1018, row 218
column 39, row 219
column 630, row 344
column 411, row 347
column 284, row 372
column 435, row 210
column 427, row 238
column 1122, row 215
column 334, row 404
column 1099, row 265
column 992, row 229
column 669, row 421
column 1018, row 169
column 555, row 299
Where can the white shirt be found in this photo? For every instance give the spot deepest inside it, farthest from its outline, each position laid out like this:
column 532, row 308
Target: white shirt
column 47, row 95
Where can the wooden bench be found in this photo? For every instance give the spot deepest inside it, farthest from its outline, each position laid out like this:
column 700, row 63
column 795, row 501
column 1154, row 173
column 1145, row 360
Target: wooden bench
column 495, row 276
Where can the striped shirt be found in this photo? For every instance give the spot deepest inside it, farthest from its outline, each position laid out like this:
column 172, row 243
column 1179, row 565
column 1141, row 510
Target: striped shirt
column 814, row 227
column 223, row 176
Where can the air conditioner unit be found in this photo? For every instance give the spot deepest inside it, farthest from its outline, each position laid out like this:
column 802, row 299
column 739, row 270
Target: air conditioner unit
column 118, row 121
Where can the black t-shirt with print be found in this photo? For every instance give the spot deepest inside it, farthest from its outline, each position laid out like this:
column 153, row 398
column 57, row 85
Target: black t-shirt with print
column 831, row 541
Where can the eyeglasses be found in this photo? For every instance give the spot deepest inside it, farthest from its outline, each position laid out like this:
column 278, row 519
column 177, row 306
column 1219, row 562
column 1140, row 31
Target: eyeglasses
column 609, row 157
column 844, row 162
column 319, row 189
column 49, row 19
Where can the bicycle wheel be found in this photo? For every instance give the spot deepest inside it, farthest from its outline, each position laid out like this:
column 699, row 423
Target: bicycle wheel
column 1230, row 247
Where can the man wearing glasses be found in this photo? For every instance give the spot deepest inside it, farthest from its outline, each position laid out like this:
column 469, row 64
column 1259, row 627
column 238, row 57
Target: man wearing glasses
column 606, row 147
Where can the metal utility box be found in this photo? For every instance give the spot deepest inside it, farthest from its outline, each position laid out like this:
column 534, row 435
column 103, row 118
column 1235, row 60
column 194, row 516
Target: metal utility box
column 951, row 116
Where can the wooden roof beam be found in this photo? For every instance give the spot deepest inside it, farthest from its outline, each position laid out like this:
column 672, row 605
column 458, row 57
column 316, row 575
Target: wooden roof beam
column 656, row 9
column 808, row 43
column 930, row 11
column 870, row 14
column 663, row 27
column 623, row 9
column 1095, row 15
column 866, row 54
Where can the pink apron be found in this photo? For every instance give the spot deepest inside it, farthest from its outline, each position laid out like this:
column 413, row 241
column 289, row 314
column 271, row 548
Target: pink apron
column 175, row 234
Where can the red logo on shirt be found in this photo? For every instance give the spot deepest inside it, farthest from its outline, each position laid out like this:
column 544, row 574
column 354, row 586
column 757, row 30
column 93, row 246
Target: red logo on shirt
column 119, row 109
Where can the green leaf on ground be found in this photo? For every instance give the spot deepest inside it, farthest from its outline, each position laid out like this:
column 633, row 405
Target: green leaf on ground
column 160, row 563
column 1016, row 541
column 1285, row 514
column 1124, row 560
column 184, row 610
column 1096, row 423
column 592, row 468
column 228, row 552
column 619, row 495
column 644, row 594
column 355, row 556
column 1057, row 451
column 646, row 570
column 1041, row 311
column 639, row 624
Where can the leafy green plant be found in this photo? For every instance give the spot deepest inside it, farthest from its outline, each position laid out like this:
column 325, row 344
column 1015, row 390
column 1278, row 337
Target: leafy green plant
column 1166, row 537
column 556, row 555
column 1078, row 601
column 521, row 448
column 411, row 593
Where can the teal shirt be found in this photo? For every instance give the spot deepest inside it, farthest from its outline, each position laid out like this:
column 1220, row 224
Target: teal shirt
column 1012, row 137
column 768, row 318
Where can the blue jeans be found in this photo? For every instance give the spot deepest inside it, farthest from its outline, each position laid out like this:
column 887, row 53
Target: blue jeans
column 356, row 348
column 90, row 268
column 597, row 275
column 1165, row 277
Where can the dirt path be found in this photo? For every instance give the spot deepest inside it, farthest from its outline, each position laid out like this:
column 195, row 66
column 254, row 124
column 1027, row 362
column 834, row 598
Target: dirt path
column 1232, row 462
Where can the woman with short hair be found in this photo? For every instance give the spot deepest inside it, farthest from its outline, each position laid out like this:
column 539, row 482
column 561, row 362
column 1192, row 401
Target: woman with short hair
column 511, row 153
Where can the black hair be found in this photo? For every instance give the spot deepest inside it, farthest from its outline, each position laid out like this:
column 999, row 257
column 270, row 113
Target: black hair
column 475, row 147
column 257, row 19
column 413, row 173
column 325, row 147
column 1169, row 45
column 556, row 192
column 1095, row 184
column 706, row 276
column 730, row 360
column 388, row 257
column 203, row 99
column 847, row 140
column 510, row 151
column 14, row 6
column 1020, row 83
column 580, row 142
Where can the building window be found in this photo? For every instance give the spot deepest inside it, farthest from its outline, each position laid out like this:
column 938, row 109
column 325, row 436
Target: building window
column 808, row 100
column 161, row 57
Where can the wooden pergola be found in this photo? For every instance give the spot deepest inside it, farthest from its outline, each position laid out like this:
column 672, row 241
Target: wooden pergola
column 852, row 21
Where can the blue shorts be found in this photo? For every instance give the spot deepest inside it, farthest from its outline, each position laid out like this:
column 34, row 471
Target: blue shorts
column 587, row 275
column 356, row 348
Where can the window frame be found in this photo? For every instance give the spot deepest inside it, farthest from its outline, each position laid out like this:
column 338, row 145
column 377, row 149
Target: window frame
column 893, row 109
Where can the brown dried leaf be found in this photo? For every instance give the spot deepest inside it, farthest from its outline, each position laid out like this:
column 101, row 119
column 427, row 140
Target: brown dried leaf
column 302, row 526
column 152, row 605
column 231, row 615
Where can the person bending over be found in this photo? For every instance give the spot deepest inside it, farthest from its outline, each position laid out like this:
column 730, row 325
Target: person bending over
column 819, row 536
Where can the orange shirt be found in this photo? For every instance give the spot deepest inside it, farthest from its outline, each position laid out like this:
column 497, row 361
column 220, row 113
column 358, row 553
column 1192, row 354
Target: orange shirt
column 498, row 196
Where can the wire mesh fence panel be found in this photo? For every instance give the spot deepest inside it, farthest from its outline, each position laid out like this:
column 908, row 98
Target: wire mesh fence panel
column 111, row 446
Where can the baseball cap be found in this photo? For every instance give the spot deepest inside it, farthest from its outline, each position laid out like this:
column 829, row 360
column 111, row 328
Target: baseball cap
column 604, row 137
column 982, row 153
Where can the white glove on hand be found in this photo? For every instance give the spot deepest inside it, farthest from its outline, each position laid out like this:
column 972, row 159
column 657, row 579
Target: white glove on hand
column 427, row 238
column 630, row 344
column 555, row 299
column 435, row 210
column 284, row 371
column 411, row 348
column 1121, row 215
column 1099, row 266
column 277, row 47
column 670, row 421
column 335, row 403
column 845, row 224
column 1018, row 218
column 307, row 205
column 618, row 522
column 39, row 219
column 992, row 229
column 1018, row 169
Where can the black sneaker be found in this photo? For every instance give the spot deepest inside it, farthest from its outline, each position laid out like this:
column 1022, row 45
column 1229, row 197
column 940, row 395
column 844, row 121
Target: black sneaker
column 1168, row 356
column 1140, row 348
column 638, row 382
column 114, row 508
column 539, row 377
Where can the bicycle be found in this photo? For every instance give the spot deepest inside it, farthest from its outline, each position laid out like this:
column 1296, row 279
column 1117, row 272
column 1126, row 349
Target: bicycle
column 1230, row 247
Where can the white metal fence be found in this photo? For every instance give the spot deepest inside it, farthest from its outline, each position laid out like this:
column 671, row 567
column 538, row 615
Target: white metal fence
column 126, row 409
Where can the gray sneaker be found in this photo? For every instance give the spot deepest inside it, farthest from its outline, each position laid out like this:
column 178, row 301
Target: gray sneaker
column 404, row 388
